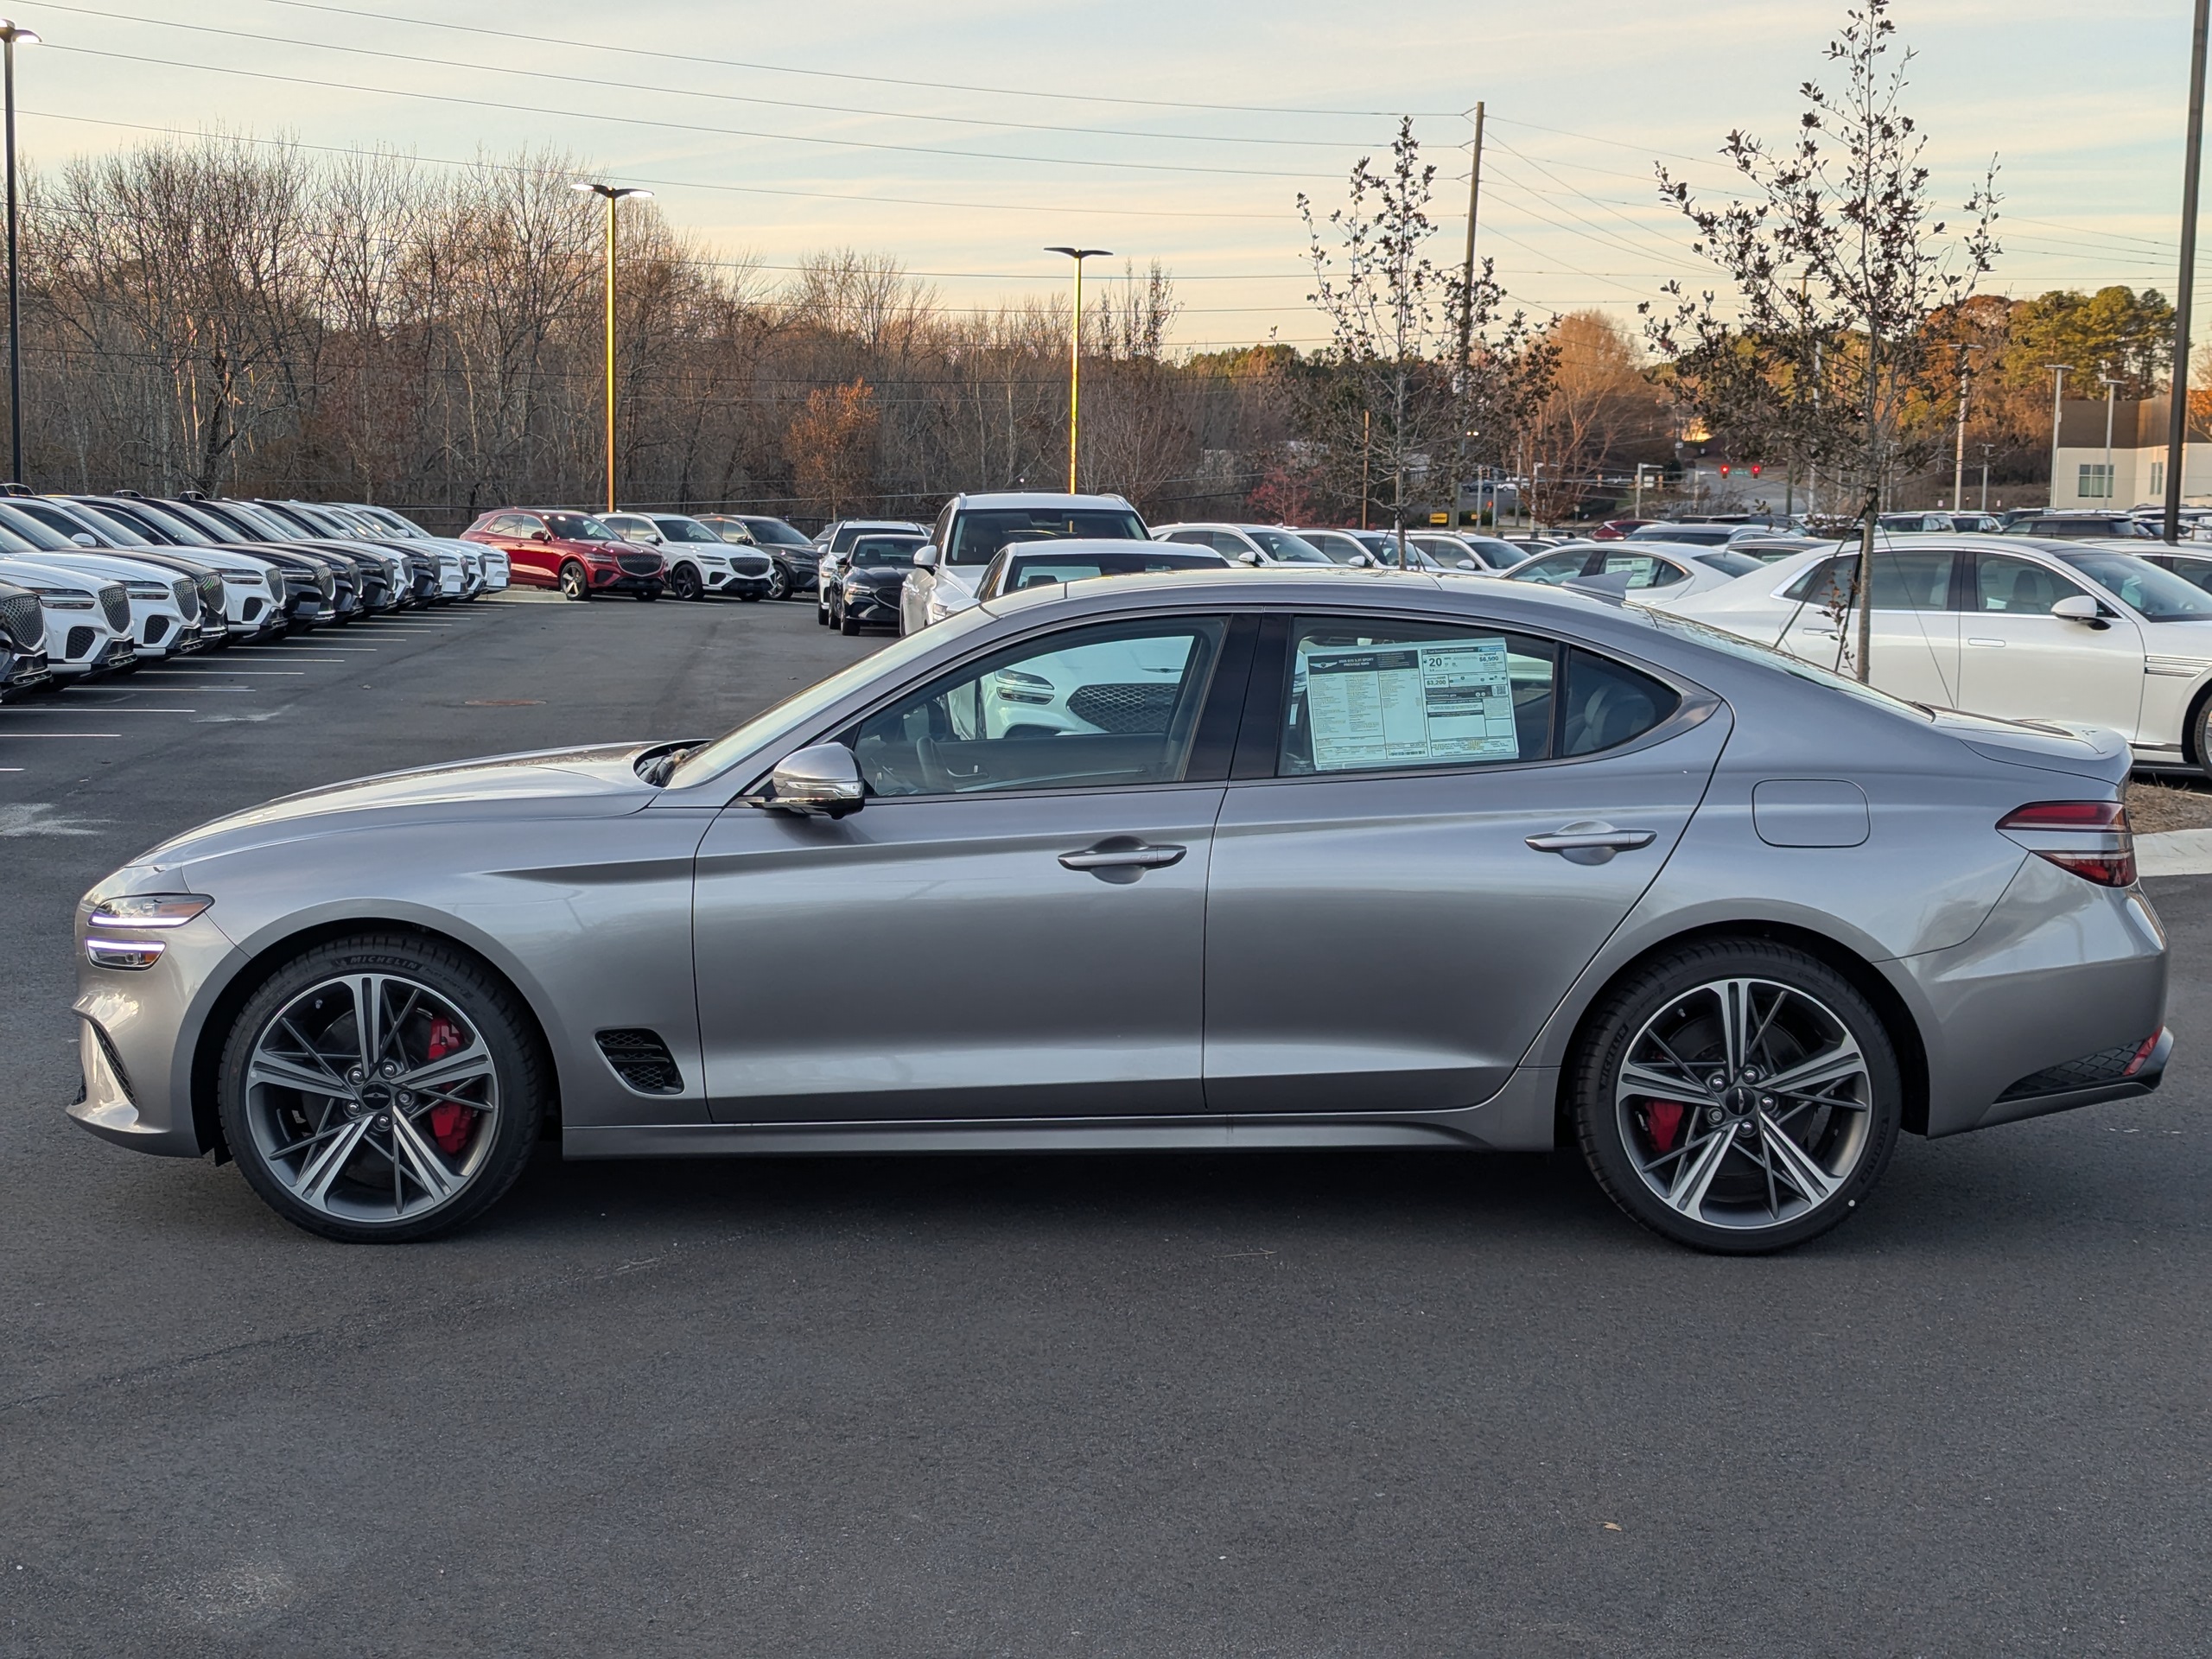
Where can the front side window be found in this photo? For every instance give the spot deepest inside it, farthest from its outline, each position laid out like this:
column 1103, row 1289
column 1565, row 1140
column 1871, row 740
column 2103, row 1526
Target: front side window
column 1101, row 707
column 1286, row 549
column 978, row 534
column 2168, row 589
column 2015, row 587
column 675, row 529
column 1643, row 569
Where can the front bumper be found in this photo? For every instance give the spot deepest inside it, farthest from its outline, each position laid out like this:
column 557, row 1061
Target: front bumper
column 23, row 673
column 621, row 581
column 876, row 605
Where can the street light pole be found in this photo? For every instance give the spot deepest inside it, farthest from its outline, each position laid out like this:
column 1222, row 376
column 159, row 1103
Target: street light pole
column 12, row 35
column 1075, row 352
column 2112, row 395
column 613, row 193
column 1959, row 459
column 2059, row 371
column 2178, row 412
column 1986, row 448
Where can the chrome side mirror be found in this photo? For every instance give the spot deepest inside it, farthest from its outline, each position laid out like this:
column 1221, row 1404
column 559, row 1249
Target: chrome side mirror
column 2076, row 607
column 1469, row 564
column 821, row 782
column 1247, row 557
column 925, row 558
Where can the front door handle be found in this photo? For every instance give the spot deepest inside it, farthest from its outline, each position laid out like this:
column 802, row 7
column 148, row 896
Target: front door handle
column 1123, row 853
column 1591, row 842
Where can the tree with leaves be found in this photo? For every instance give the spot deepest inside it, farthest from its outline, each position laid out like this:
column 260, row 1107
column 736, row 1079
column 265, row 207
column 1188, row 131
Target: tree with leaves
column 1839, row 267
column 1413, row 367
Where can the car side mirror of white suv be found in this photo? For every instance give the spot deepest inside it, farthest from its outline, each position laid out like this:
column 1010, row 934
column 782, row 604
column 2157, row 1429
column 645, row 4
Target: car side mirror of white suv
column 2078, row 607
column 83, row 539
column 1247, row 557
column 925, row 558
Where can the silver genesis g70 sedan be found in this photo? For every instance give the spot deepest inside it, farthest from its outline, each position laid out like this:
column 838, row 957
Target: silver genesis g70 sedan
column 1298, row 858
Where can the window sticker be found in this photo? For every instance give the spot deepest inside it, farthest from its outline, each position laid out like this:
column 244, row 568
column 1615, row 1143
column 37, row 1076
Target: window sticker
column 1410, row 705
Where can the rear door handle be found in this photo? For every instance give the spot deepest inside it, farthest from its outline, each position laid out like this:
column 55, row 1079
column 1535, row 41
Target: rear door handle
column 1999, row 643
column 1122, row 852
column 1591, row 842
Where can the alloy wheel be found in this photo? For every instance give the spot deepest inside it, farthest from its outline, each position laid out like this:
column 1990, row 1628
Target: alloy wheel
column 1745, row 1103
column 780, row 580
column 574, row 583
column 371, row 1099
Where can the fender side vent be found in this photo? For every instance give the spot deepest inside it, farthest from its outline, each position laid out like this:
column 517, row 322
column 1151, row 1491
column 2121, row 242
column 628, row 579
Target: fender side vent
column 641, row 1059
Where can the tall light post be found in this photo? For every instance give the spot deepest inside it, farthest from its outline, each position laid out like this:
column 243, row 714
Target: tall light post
column 1959, row 461
column 1075, row 350
column 613, row 193
column 1985, row 449
column 2112, row 397
column 2058, row 372
column 12, row 35
column 2177, row 405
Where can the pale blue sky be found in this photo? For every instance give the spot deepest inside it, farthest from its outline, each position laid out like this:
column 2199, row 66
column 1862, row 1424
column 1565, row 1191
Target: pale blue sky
column 2082, row 106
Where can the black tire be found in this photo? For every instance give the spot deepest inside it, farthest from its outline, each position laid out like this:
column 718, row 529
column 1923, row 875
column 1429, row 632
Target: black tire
column 779, row 580
column 2197, row 739
column 1850, row 1140
column 847, row 624
column 521, row 1070
column 574, row 583
column 683, row 582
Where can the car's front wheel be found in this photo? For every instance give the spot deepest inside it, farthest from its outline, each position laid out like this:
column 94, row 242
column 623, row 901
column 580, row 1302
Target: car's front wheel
column 780, row 580
column 1738, row 1097
column 683, row 582
column 574, row 583
column 381, row 1088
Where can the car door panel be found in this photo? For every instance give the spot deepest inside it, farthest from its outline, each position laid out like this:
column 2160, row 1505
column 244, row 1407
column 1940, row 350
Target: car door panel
column 961, row 969
column 1913, row 634
column 2019, row 662
column 1393, row 941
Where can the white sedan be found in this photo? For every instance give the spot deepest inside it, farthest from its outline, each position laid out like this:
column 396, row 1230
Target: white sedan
column 1641, row 573
column 2074, row 631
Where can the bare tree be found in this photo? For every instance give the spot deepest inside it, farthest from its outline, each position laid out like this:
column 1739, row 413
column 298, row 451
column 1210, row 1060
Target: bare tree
column 1838, row 267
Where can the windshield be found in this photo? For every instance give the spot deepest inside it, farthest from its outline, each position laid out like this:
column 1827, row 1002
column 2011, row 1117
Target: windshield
column 724, row 752
column 2156, row 596
column 1286, row 549
column 1735, row 563
column 775, row 531
column 34, row 528
column 1703, row 535
column 578, row 527
column 978, row 534
column 673, row 529
column 1041, row 570
column 165, row 524
column 886, row 549
column 11, row 542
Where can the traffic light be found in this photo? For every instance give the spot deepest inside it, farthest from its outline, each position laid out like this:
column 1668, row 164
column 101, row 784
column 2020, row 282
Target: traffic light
column 1724, row 469
column 1755, row 469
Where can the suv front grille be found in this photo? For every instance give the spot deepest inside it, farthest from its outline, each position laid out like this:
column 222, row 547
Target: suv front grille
column 188, row 597
column 211, row 595
column 115, row 606
column 641, row 1059
column 325, row 582
column 1127, row 709
column 25, row 620
column 639, row 564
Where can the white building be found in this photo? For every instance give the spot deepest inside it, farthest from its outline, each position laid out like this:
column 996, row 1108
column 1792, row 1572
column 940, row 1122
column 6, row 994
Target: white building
column 2133, row 472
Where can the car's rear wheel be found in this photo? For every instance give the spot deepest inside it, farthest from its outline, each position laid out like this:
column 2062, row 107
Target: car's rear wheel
column 381, row 1088
column 1738, row 1097
column 574, row 584
column 683, row 582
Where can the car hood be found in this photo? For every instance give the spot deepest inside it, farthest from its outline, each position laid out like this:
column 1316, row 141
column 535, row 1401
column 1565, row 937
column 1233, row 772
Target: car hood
column 883, row 572
column 582, row 783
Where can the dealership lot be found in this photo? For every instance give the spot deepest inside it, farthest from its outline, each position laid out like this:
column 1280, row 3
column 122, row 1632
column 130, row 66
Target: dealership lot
column 1280, row 1404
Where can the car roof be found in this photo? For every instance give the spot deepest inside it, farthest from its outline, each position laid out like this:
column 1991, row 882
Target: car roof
column 1037, row 499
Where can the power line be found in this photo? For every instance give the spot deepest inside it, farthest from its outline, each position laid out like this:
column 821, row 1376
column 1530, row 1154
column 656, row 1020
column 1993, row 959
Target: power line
column 671, row 184
column 684, row 126
column 1058, row 94
column 684, row 91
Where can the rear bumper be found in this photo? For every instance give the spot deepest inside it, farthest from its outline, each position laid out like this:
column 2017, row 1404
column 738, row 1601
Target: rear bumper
column 2063, row 979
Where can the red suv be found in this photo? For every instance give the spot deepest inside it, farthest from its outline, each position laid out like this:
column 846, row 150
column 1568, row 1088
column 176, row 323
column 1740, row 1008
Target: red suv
column 551, row 547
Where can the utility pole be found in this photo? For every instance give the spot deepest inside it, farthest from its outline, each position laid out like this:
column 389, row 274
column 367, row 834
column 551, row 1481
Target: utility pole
column 1959, row 461
column 1366, row 451
column 1986, row 448
column 2059, row 371
column 2177, row 413
column 14, row 37
column 1467, row 302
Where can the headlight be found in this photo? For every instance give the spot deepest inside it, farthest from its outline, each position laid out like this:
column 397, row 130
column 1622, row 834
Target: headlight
column 147, row 590
column 1014, row 686
column 150, row 909
column 64, row 599
column 243, row 578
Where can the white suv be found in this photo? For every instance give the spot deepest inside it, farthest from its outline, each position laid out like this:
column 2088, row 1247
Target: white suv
column 699, row 562
column 971, row 530
column 87, row 620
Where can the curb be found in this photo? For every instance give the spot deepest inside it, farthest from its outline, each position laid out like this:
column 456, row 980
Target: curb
column 2174, row 852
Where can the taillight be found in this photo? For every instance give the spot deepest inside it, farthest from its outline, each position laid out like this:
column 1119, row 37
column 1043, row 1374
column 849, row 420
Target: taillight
column 2090, row 838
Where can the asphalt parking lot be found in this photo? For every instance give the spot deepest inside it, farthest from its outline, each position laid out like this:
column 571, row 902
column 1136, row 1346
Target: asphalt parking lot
column 1293, row 1405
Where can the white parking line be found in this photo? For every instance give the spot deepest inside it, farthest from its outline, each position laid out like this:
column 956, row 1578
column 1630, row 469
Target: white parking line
column 104, row 707
column 233, row 673
column 12, row 736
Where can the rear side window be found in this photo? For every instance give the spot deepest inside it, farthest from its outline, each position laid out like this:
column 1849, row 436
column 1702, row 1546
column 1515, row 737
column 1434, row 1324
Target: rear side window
column 1915, row 579
column 1367, row 695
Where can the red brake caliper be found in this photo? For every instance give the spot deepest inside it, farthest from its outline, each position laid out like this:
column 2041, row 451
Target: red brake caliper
column 1666, row 1118
column 449, row 1124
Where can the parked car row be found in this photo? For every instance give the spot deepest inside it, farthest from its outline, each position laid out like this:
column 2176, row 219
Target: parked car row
column 93, row 585
column 645, row 554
